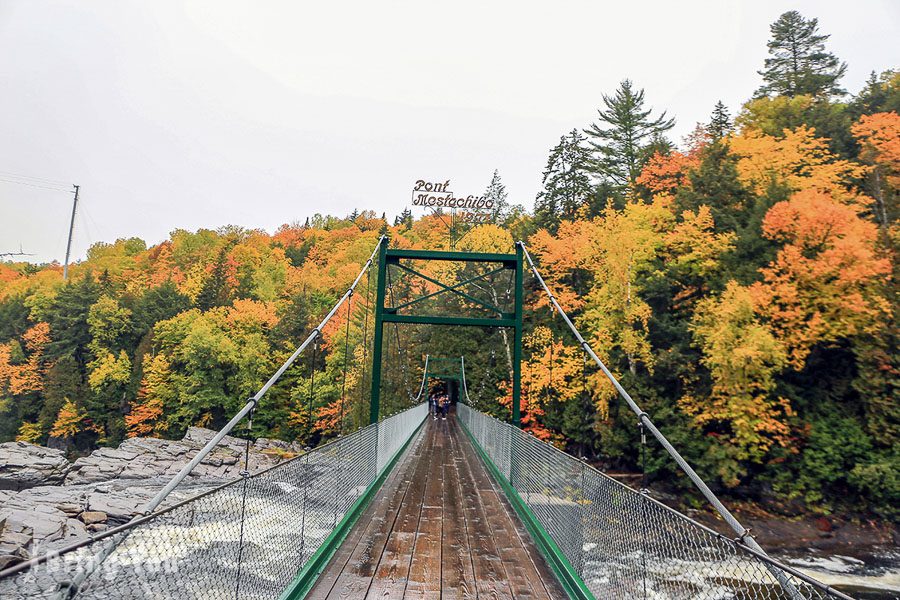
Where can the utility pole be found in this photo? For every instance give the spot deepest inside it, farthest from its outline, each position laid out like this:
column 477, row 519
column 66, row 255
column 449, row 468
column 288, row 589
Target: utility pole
column 69, row 243
column 19, row 253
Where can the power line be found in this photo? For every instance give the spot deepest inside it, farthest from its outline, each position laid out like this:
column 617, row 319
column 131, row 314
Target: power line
column 32, row 178
column 19, row 253
column 35, row 185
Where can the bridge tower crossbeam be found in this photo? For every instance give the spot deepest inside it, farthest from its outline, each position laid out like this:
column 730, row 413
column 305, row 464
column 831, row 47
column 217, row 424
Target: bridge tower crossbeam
column 395, row 257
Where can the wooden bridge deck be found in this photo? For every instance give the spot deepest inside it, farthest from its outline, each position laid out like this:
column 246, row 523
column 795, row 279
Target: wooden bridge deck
column 438, row 528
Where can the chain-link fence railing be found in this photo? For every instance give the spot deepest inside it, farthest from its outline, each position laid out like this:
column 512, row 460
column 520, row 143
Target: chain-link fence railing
column 621, row 542
column 245, row 539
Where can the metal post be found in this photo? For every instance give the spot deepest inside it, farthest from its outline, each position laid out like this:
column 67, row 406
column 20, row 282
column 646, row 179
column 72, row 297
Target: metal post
column 375, row 402
column 69, row 243
column 517, row 343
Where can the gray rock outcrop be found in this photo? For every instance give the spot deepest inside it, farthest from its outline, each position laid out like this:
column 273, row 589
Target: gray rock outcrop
column 47, row 502
column 24, row 465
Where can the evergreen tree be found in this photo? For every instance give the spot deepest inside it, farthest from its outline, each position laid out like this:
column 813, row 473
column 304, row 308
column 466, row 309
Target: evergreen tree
column 496, row 191
column 798, row 63
column 13, row 318
column 158, row 304
column 215, row 289
column 621, row 135
column 566, row 183
column 69, row 330
column 405, row 219
column 881, row 94
column 720, row 124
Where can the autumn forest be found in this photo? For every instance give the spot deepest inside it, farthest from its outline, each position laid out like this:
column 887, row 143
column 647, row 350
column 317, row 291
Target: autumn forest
column 741, row 284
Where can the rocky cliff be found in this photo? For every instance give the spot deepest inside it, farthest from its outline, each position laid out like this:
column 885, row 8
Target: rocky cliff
column 47, row 501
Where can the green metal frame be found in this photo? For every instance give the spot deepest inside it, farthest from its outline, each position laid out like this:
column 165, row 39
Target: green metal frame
column 309, row 574
column 567, row 575
column 388, row 314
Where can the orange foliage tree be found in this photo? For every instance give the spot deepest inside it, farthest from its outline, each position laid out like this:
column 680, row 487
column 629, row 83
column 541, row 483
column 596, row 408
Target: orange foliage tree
column 879, row 136
column 821, row 287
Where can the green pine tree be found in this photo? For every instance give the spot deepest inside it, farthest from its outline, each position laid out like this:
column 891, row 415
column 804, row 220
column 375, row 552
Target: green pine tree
column 880, row 94
column 69, row 330
column 215, row 289
column 622, row 133
column 496, row 191
column 566, row 182
column 405, row 219
column 720, row 123
column 798, row 63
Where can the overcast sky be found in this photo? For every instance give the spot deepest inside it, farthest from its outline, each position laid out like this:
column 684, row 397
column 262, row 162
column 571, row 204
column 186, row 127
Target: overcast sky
column 200, row 114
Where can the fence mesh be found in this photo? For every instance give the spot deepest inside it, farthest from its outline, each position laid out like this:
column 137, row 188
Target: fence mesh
column 247, row 539
column 622, row 543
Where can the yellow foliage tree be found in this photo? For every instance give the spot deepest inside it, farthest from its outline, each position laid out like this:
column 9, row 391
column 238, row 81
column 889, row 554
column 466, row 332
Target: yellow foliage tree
column 743, row 357
column 108, row 369
column 69, row 421
column 29, row 432
column 799, row 160
column 879, row 137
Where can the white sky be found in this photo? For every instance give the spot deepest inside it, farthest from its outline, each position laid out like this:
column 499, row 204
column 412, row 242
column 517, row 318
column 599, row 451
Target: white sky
column 200, row 114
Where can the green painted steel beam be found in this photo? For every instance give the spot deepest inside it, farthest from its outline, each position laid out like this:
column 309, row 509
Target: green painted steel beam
column 446, row 288
column 508, row 259
column 377, row 342
column 434, row 320
column 517, row 342
column 567, row 575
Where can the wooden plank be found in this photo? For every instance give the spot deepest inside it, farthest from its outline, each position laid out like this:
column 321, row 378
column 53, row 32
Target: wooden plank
column 458, row 573
column 522, row 575
column 490, row 574
column 425, row 568
column 439, row 529
column 349, row 573
column 392, row 571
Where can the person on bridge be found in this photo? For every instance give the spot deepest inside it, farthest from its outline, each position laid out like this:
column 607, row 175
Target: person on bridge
column 445, row 406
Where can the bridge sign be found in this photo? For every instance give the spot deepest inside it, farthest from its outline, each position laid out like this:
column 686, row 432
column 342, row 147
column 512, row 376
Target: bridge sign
column 435, row 195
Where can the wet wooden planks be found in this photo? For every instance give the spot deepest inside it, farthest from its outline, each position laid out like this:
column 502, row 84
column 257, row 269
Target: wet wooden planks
column 438, row 528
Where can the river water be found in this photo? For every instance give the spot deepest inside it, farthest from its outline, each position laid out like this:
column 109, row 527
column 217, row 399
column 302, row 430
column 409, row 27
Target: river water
column 872, row 576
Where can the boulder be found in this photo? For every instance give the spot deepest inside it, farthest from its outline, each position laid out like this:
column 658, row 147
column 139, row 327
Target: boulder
column 118, row 505
column 24, row 465
column 27, row 532
column 91, row 517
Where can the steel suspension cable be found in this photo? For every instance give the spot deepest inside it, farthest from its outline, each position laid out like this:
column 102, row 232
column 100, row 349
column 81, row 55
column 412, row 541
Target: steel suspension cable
column 312, row 382
column 424, row 380
column 743, row 533
column 362, row 386
column 346, row 357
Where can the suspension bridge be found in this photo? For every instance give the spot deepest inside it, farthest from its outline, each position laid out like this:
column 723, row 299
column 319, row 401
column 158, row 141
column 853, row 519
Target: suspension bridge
column 418, row 506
